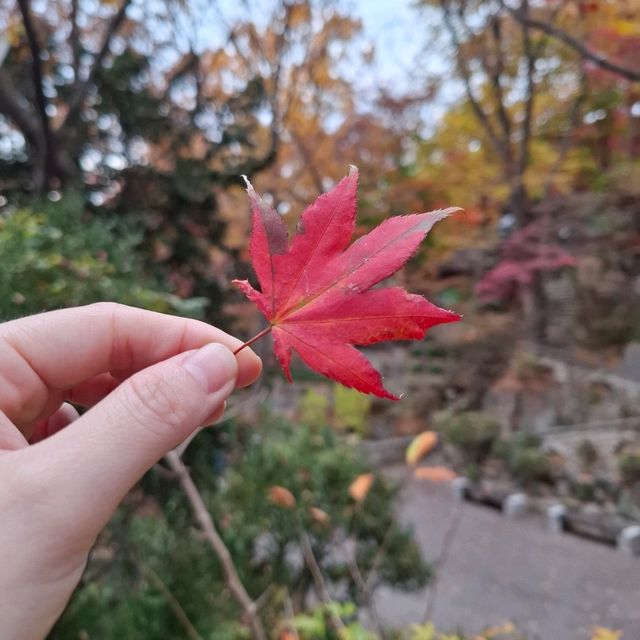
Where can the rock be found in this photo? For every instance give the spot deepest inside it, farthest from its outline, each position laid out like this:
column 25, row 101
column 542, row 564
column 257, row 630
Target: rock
column 629, row 540
column 515, row 505
column 556, row 515
column 461, row 487
column 630, row 367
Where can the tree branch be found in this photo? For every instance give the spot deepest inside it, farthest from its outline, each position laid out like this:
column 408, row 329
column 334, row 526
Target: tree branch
column 575, row 44
column 529, row 102
column 318, row 580
column 46, row 138
column 574, row 119
column 216, row 543
column 367, row 600
column 82, row 86
column 172, row 601
column 75, row 41
column 15, row 106
column 495, row 74
column 480, row 114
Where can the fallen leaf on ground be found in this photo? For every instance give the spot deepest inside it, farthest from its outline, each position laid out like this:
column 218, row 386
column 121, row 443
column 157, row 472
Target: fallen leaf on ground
column 420, row 446
column 434, row 474
column 361, row 486
column 282, row 497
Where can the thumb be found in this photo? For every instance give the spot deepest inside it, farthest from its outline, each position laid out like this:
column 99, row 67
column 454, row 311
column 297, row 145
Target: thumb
column 90, row 465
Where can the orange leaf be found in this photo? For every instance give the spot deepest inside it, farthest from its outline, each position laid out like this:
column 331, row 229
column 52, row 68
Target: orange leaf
column 360, row 487
column 499, row 630
column 434, row 474
column 319, row 515
column 420, row 446
column 282, row 497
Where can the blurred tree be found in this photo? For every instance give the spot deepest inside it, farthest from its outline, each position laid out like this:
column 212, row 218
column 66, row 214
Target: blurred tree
column 133, row 103
column 53, row 254
column 536, row 116
column 495, row 58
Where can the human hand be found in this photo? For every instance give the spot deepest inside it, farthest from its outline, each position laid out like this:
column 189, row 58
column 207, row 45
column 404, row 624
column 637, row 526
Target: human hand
column 150, row 380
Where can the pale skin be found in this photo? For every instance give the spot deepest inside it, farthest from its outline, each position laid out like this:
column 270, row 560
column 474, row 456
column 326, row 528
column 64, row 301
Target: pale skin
column 149, row 381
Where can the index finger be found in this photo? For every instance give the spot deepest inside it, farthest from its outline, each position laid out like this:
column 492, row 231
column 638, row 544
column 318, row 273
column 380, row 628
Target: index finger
column 44, row 355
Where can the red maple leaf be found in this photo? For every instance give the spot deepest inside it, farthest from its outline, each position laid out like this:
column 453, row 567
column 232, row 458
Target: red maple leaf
column 317, row 289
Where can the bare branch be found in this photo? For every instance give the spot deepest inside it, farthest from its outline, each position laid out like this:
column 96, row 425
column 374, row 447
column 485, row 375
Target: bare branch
column 75, row 40
column 318, row 580
column 574, row 119
column 575, row 44
column 82, row 86
column 465, row 74
column 308, row 160
column 46, row 139
column 291, row 614
column 495, row 73
column 217, row 544
column 530, row 55
column 365, row 594
column 172, row 601
column 16, row 107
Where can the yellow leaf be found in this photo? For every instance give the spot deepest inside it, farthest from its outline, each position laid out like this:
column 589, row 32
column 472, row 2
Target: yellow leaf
column 282, row 497
column 420, row 446
column 626, row 28
column 360, row 487
column 602, row 633
column 434, row 474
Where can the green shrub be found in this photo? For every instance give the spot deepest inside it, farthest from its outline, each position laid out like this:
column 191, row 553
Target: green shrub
column 584, row 491
column 119, row 598
column 316, row 625
column 524, row 459
column 472, row 433
column 55, row 254
column 529, row 465
column 351, row 409
column 525, row 440
column 313, row 408
column 587, row 453
column 629, row 468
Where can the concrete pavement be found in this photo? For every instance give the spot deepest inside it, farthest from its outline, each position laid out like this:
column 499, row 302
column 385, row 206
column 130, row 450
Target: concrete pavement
column 552, row 587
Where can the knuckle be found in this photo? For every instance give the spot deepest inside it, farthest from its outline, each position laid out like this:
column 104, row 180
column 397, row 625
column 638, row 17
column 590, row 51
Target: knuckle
column 23, row 394
column 156, row 402
column 105, row 308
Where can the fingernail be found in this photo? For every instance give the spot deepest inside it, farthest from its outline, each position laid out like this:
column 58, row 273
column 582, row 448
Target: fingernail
column 213, row 366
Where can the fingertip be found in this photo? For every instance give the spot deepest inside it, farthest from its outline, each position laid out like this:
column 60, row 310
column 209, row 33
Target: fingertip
column 214, row 367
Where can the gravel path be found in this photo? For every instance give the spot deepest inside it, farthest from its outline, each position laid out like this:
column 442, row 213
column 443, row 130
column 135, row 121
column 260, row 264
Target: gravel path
column 552, row 587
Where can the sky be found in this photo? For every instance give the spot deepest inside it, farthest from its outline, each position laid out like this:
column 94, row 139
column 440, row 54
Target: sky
column 404, row 54
column 389, row 24
column 399, row 34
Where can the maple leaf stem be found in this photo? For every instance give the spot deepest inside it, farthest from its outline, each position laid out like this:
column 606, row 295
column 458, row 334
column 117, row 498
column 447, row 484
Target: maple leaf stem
column 255, row 338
